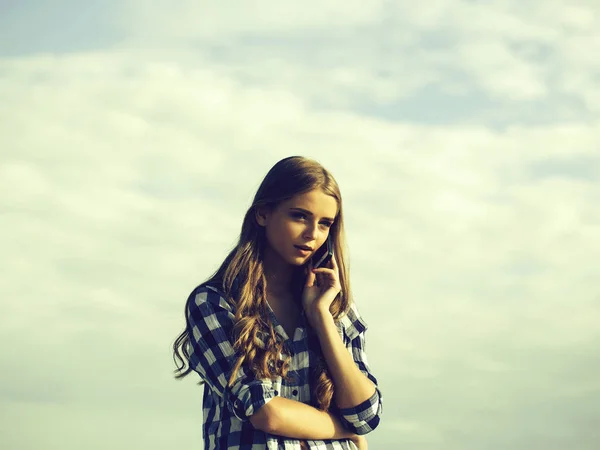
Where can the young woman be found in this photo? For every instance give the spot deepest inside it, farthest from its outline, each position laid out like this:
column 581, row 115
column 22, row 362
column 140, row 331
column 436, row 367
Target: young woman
column 279, row 343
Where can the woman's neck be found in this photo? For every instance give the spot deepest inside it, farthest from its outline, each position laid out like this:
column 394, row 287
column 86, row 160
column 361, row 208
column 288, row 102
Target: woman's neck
column 278, row 273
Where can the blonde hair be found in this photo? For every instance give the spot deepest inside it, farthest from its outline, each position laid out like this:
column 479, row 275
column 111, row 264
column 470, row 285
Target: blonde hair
column 242, row 279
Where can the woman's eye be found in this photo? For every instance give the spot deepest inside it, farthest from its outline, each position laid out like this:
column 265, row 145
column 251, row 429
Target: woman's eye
column 299, row 215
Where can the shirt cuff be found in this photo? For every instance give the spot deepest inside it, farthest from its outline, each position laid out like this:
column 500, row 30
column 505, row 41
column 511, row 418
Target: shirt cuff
column 246, row 399
column 363, row 418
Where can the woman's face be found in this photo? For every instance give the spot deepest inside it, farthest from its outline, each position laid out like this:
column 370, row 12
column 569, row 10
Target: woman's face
column 302, row 221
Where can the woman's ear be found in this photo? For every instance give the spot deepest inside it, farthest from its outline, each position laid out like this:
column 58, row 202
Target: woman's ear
column 262, row 215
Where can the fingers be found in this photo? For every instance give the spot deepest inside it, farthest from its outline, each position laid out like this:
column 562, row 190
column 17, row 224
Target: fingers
column 332, row 267
column 324, row 275
column 310, row 278
column 323, row 270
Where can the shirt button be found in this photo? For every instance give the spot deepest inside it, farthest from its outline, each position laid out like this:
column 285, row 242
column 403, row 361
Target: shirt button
column 295, row 392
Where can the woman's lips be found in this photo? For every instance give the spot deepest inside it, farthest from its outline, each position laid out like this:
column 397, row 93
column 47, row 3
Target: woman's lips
column 302, row 250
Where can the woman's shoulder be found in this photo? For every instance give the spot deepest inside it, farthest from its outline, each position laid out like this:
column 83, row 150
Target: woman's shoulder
column 209, row 293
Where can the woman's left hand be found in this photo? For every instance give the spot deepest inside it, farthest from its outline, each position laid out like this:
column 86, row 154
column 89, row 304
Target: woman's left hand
column 321, row 288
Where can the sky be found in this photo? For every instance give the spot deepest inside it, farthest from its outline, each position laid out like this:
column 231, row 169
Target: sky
column 464, row 135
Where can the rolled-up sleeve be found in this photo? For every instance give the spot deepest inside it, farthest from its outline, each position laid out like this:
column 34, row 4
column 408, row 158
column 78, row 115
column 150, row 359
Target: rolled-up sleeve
column 363, row 418
column 210, row 321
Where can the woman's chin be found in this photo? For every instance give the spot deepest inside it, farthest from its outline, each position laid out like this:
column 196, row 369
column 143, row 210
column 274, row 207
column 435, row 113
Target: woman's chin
column 299, row 260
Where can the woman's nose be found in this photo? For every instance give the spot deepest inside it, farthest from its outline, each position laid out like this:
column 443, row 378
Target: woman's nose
column 310, row 232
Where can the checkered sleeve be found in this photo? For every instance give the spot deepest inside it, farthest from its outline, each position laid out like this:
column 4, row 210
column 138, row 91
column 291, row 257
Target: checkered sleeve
column 210, row 320
column 363, row 418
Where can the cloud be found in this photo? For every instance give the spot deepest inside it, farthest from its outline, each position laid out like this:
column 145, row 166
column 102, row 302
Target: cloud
column 394, row 50
column 191, row 20
column 126, row 172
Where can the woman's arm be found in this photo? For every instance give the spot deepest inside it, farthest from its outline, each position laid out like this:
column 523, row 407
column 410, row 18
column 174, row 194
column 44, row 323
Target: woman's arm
column 356, row 392
column 297, row 420
column 352, row 387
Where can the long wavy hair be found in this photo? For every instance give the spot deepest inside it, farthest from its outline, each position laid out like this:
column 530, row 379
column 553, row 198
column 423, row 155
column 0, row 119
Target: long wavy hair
column 255, row 340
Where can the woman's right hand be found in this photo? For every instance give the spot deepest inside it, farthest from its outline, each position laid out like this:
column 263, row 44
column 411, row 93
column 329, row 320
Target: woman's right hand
column 360, row 442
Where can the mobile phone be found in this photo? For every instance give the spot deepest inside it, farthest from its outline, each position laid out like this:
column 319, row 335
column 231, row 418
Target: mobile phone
column 322, row 257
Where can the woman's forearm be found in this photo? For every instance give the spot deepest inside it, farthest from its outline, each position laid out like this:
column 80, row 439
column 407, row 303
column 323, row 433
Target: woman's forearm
column 352, row 387
column 297, row 420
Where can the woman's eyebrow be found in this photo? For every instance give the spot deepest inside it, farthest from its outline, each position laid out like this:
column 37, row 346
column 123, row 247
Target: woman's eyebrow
column 308, row 213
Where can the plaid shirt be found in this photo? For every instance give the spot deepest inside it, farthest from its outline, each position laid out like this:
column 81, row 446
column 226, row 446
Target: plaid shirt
column 227, row 411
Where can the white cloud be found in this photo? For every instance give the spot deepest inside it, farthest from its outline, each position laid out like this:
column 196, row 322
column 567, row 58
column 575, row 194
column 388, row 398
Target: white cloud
column 125, row 175
column 500, row 71
column 509, row 53
column 209, row 20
